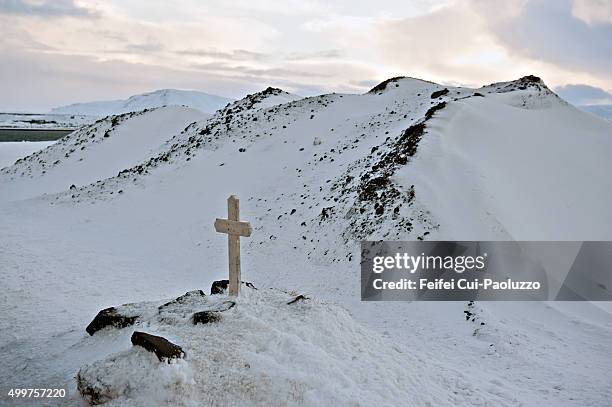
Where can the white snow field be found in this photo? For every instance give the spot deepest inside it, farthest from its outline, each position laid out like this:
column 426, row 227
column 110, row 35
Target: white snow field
column 11, row 151
column 201, row 101
column 43, row 120
column 506, row 161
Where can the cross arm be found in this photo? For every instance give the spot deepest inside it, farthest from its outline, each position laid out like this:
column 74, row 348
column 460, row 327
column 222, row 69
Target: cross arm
column 233, row 227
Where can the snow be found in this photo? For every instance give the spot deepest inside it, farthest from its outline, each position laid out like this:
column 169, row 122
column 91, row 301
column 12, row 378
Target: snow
column 204, row 102
column 481, row 152
column 100, row 150
column 540, row 173
column 78, row 114
column 265, row 352
column 42, row 121
column 11, row 151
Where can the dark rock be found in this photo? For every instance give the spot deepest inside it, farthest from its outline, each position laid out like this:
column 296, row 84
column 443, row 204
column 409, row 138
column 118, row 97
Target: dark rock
column 206, row 317
column 163, row 348
column 530, row 78
column 429, row 114
column 368, row 190
column 326, row 212
column 439, row 93
column 90, row 393
column 212, row 315
column 110, row 317
column 220, row 286
column 383, row 85
column 298, row 298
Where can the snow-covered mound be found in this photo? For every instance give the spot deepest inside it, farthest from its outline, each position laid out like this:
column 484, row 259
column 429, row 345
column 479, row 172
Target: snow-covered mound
column 267, row 350
column 514, row 174
column 96, row 151
column 408, row 160
column 201, row 101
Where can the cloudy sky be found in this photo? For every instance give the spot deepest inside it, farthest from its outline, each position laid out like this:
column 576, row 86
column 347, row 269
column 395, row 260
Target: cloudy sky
column 62, row 51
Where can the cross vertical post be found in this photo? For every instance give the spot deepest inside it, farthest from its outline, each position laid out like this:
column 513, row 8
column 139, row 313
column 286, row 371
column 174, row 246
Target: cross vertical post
column 234, row 228
column 233, row 213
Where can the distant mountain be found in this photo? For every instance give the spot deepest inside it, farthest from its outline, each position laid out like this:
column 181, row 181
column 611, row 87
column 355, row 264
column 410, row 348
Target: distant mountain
column 204, row 102
column 604, row 111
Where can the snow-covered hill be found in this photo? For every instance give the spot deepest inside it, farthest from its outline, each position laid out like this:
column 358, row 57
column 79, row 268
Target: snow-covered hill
column 201, row 101
column 410, row 159
column 98, row 151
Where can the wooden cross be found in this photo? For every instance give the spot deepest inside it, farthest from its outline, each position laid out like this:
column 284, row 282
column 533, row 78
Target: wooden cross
column 234, row 229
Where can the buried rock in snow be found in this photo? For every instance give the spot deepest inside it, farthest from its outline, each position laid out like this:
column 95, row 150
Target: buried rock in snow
column 169, row 312
column 206, row 317
column 212, row 315
column 181, row 309
column 134, row 374
column 163, row 348
column 185, row 298
column 220, row 286
column 110, row 317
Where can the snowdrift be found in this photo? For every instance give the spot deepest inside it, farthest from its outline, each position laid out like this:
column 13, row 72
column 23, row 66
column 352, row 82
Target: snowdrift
column 514, row 167
column 96, row 151
column 267, row 350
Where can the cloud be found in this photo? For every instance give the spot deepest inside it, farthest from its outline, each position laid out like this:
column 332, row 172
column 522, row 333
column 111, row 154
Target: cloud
column 48, row 8
column 281, row 71
column 38, row 82
column 252, row 56
column 449, row 43
column 366, row 84
column 593, row 11
column 236, row 47
column 584, row 95
column 323, row 54
column 481, row 41
column 549, row 31
column 33, row 81
column 146, row 47
column 233, row 55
